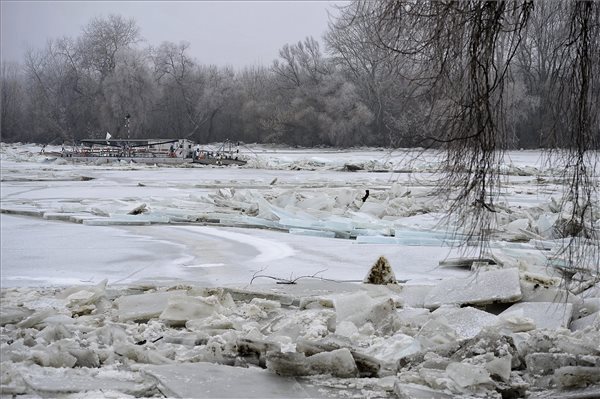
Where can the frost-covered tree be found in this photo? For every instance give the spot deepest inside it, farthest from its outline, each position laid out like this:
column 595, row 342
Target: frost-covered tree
column 352, row 40
column 319, row 106
column 191, row 95
column 103, row 40
column 129, row 96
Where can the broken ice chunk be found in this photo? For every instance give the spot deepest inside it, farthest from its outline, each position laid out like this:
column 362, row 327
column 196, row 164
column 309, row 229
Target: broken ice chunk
column 313, row 233
column 188, row 339
column 144, row 306
column 546, row 363
column 288, row 364
column 468, row 321
column 478, row 289
column 346, row 329
column 517, row 230
column 414, row 294
column 255, row 350
column 140, row 354
column 360, row 309
column 575, row 376
column 585, row 307
column 205, row 380
column 36, row 318
column 545, row 225
column 309, row 323
column 592, row 320
column 515, row 323
column 54, row 333
column 183, row 308
column 347, row 305
column 416, row 391
column 500, row 366
column 13, row 314
column 393, row 348
column 53, row 357
column 436, row 332
column 544, row 314
column 56, row 382
column 466, row 375
column 338, row 363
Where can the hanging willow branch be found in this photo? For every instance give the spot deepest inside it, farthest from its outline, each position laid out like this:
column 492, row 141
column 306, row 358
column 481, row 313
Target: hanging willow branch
column 576, row 137
column 462, row 53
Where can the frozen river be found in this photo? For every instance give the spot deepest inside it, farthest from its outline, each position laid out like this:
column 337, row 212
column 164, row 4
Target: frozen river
column 37, row 250
column 127, row 280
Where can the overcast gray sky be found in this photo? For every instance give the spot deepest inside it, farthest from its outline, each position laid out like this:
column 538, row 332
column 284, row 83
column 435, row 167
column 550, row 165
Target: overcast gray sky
column 236, row 33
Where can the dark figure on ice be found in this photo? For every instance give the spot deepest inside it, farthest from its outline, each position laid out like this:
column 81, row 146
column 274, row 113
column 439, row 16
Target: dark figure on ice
column 366, row 196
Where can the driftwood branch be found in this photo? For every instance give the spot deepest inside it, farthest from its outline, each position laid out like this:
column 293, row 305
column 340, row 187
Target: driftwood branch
column 290, row 280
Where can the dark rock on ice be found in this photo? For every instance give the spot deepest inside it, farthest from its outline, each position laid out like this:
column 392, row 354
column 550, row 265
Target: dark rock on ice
column 381, row 273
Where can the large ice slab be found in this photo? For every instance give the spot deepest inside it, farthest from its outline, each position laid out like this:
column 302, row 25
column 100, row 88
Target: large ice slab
column 550, row 315
column 465, row 374
column 414, row 294
column 592, row 320
column 22, row 210
column 416, row 391
column 478, row 289
column 467, row 322
column 206, row 380
column 13, row 314
column 183, row 308
column 144, row 306
column 53, row 382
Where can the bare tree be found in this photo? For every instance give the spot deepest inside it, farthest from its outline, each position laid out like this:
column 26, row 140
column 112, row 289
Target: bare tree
column 352, row 40
column 129, row 95
column 103, row 39
column 11, row 101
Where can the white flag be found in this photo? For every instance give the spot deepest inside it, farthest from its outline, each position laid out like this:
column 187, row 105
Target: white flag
column 108, row 136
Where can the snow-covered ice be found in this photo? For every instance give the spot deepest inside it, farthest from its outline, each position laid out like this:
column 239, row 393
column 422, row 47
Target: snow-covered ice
column 132, row 280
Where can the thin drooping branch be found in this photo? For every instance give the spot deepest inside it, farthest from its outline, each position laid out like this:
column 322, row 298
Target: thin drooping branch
column 464, row 50
column 576, row 138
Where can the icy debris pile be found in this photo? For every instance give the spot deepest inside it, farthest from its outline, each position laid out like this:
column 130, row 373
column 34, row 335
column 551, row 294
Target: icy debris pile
column 472, row 337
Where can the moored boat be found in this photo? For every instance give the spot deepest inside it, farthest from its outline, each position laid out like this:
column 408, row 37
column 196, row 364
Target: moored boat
column 222, row 156
column 151, row 151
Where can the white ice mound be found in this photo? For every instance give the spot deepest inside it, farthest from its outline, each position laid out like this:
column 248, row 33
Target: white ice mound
column 478, row 289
